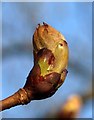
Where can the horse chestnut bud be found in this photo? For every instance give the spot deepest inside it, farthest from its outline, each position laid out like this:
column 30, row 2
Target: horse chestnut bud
column 50, row 62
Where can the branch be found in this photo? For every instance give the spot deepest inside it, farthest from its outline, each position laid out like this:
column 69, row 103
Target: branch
column 48, row 72
column 18, row 98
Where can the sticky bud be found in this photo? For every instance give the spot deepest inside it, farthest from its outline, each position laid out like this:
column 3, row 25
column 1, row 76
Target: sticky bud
column 50, row 62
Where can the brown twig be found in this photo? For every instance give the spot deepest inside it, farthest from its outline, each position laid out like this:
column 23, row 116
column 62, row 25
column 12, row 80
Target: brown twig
column 18, row 98
column 48, row 72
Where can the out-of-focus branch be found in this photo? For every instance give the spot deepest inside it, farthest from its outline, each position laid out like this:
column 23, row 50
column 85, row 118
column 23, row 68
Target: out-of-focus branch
column 88, row 95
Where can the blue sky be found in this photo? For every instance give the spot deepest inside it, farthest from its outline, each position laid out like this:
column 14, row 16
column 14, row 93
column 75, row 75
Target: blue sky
column 19, row 21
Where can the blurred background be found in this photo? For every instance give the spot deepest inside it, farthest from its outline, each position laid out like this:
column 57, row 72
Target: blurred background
column 74, row 21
